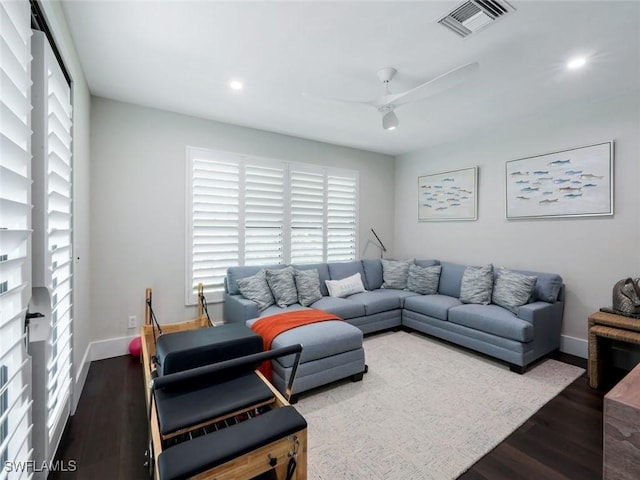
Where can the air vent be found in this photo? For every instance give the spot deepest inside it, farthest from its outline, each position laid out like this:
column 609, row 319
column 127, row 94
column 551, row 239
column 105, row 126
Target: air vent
column 474, row 15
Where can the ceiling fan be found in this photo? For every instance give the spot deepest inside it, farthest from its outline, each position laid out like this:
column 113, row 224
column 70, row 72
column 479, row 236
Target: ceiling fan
column 388, row 102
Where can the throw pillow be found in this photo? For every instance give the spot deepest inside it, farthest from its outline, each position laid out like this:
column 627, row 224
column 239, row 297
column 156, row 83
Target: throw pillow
column 476, row 285
column 256, row 288
column 308, row 285
column 283, row 286
column 423, row 280
column 395, row 273
column 512, row 290
column 346, row 286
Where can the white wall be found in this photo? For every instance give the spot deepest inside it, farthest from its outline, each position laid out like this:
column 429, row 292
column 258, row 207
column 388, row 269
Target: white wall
column 138, row 203
column 591, row 254
column 81, row 98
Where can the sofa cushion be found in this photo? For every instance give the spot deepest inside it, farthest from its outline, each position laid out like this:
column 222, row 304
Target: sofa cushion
column 283, row 286
column 341, row 307
column 548, row 285
column 435, row 306
column 308, row 286
column 376, row 301
column 512, row 289
column 235, row 273
column 492, row 319
column 340, row 270
column 395, row 272
column 256, row 289
column 476, row 285
column 423, row 280
column 323, row 274
column 450, row 279
column 372, row 273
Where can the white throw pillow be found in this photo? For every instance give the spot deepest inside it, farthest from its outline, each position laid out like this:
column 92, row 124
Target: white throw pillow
column 346, row 286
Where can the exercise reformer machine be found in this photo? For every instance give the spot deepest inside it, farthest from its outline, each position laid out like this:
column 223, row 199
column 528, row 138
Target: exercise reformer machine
column 223, row 420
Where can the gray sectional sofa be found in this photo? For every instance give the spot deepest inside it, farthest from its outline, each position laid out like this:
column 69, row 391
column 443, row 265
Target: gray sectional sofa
column 518, row 336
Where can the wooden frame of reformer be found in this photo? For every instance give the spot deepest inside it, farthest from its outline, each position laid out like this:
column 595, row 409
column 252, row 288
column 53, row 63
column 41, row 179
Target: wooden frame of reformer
column 248, row 465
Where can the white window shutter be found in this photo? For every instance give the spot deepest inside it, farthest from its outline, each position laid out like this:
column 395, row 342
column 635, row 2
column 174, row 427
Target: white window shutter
column 263, row 214
column 15, row 230
column 215, row 221
column 307, row 215
column 52, row 225
column 342, row 210
column 259, row 212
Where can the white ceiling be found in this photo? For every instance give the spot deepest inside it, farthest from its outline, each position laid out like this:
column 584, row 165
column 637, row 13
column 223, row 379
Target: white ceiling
column 180, row 55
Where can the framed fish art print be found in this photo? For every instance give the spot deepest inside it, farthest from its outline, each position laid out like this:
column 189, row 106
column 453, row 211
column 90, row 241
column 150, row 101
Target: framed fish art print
column 569, row 183
column 448, row 196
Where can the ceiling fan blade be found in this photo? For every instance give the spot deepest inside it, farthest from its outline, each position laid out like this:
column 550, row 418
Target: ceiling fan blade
column 336, row 100
column 435, row 86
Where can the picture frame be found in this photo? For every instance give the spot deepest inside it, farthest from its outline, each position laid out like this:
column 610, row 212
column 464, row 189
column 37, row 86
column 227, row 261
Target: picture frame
column 576, row 182
column 448, row 196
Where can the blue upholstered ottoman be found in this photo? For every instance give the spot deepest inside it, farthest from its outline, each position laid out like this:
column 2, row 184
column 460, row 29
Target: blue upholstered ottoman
column 331, row 351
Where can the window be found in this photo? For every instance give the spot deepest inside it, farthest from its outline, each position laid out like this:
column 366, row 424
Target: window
column 4, row 408
column 52, row 224
column 253, row 211
column 15, row 229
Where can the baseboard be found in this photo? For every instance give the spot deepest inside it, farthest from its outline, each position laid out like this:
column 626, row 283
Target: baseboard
column 574, row 346
column 112, row 347
column 81, row 378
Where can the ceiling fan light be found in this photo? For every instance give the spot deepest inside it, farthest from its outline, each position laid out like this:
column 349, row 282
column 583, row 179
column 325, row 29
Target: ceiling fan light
column 390, row 121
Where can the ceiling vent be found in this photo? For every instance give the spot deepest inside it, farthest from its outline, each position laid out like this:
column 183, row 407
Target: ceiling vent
column 474, row 15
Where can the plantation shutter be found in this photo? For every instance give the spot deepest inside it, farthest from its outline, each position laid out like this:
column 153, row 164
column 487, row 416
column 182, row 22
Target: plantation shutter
column 258, row 212
column 15, row 230
column 215, row 220
column 52, row 222
column 307, row 215
column 264, row 214
column 342, row 219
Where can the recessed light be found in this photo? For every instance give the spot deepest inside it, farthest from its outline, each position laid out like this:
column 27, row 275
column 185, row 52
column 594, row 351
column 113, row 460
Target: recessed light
column 235, row 85
column 577, row 62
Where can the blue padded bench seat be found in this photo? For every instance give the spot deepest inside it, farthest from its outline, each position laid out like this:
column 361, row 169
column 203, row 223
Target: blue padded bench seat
column 179, row 351
column 184, row 408
column 203, row 453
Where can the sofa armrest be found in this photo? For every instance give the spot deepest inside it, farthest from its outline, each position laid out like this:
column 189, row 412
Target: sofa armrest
column 546, row 319
column 236, row 308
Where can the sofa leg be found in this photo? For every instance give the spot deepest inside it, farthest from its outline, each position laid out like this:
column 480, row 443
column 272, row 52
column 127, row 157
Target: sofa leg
column 293, row 399
column 357, row 377
column 517, row 368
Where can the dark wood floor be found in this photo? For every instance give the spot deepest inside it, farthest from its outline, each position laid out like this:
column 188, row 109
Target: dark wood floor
column 107, row 436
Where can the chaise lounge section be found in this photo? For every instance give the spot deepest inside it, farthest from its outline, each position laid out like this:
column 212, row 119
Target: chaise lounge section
column 523, row 326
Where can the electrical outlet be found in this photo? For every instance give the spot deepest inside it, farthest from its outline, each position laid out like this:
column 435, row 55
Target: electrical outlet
column 133, row 321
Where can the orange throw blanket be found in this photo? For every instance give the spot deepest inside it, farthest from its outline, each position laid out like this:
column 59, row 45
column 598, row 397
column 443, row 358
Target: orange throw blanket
column 272, row 326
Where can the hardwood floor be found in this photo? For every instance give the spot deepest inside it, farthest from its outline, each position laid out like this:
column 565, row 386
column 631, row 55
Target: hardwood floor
column 107, row 436
column 563, row 440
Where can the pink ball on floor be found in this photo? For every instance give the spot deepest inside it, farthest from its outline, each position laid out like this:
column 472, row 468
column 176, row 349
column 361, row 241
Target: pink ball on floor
column 135, row 347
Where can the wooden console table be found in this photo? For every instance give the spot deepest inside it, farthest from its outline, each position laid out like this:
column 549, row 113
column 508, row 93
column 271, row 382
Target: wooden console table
column 613, row 327
column 621, row 445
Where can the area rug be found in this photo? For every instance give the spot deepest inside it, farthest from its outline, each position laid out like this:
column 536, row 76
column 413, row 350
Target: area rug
column 425, row 410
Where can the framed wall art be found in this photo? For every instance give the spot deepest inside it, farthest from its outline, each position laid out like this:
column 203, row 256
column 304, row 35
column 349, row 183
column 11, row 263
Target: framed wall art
column 569, row 183
column 448, row 196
